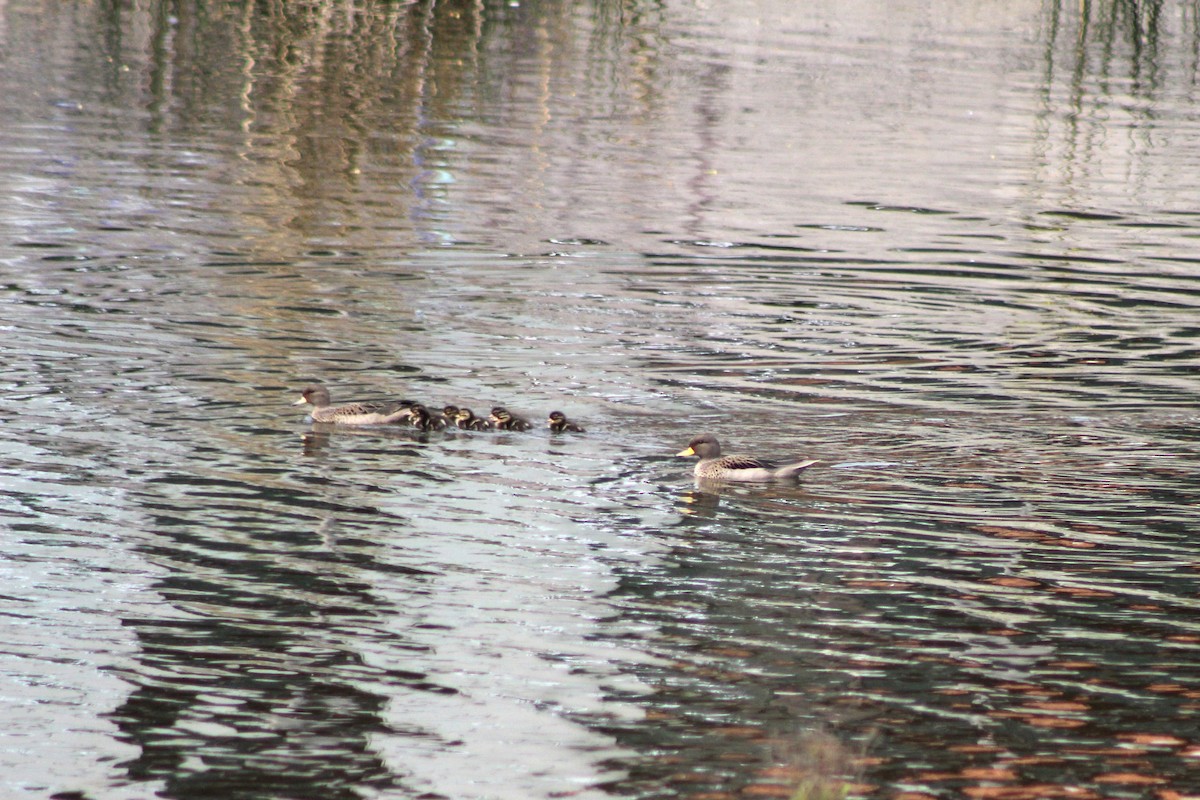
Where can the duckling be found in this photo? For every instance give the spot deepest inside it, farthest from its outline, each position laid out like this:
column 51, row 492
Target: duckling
column 466, row 420
column 714, row 466
column 559, row 423
column 503, row 420
column 387, row 413
column 449, row 411
column 423, row 419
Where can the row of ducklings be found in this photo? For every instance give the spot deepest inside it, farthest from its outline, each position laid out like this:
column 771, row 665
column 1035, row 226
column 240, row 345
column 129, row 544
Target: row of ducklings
column 712, row 464
column 416, row 415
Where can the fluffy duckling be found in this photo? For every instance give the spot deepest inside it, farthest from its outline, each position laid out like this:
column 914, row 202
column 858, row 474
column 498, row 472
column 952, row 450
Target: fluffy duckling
column 465, row 419
column 387, row 413
column 503, row 420
column 714, row 466
column 423, row 419
column 558, row 423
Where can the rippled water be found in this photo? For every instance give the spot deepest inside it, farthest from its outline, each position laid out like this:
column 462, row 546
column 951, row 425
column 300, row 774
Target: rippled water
column 949, row 252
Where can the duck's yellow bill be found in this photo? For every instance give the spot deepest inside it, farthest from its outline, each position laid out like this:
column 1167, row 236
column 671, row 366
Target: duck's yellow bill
column 300, row 402
column 688, row 452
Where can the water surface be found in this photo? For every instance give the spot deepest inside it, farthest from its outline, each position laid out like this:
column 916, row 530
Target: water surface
column 947, row 251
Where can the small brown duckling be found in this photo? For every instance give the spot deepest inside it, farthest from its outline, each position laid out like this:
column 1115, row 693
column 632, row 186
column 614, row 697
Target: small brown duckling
column 503, row 420
column 558, row 423
column 465, row 419
column 423, row 419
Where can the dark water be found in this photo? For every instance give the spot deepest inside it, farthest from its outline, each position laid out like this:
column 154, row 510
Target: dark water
column 952, row 252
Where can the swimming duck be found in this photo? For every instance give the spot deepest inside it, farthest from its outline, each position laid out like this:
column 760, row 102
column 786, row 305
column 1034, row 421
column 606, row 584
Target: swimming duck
column 503, row 420
column 714, row 466
column 465, row 419
column 423, row 419
column 559, row 423
column 387, row 413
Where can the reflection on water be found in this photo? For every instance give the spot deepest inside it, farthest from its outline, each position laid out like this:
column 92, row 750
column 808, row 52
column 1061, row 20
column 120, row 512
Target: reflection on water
column 1022, row 626
column 948, row 252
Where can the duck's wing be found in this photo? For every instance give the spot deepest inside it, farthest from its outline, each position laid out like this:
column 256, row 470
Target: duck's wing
column 356, row 409
column 393, row 409
column 744, row 462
